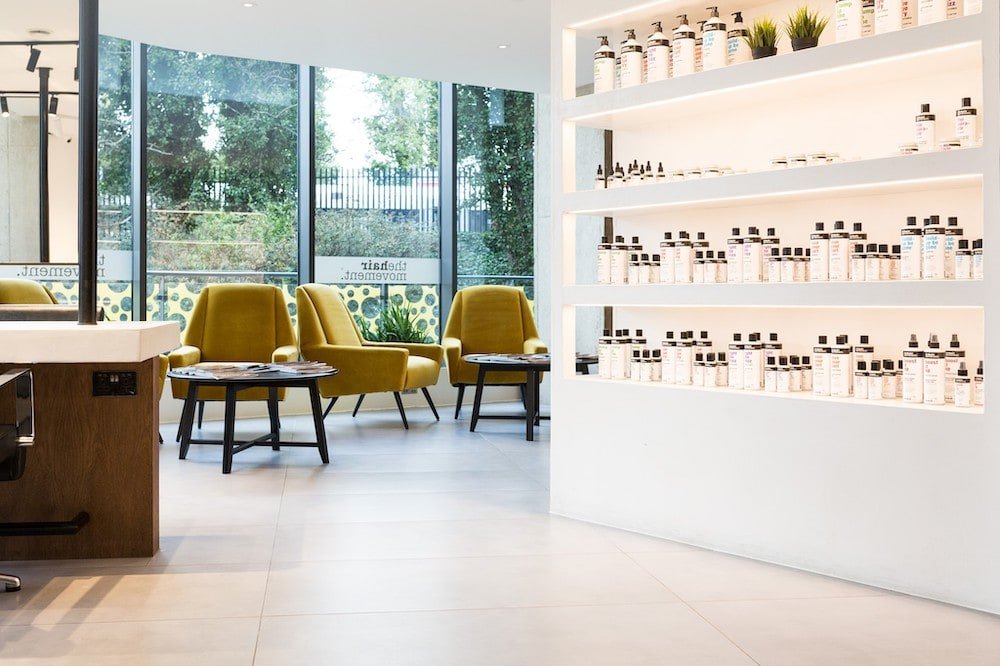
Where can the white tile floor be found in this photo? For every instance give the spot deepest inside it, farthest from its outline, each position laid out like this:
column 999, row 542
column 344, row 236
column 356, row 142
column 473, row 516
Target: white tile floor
column 435, row 547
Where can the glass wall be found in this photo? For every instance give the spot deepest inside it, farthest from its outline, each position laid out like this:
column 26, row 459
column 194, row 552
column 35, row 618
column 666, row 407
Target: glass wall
column 496, row 171
column 378, row 216
column 222, row 164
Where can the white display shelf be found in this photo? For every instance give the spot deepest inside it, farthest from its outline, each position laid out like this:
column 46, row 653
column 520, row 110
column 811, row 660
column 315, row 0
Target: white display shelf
column 941, row 47
column 726, row 394
column 889, row 175
column 895, row 293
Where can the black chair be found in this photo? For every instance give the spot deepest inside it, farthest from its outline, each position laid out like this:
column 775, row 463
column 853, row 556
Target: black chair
column 16, row 438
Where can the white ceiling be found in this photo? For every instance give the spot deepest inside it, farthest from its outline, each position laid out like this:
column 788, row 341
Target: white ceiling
column 450, row 40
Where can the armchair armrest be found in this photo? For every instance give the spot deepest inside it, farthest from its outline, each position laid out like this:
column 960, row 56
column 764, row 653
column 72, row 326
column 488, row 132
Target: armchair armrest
column 433, row 352
column 361, row 367
column 285, row 353
column 452, row 350
column 184, row 356
column 535, row 346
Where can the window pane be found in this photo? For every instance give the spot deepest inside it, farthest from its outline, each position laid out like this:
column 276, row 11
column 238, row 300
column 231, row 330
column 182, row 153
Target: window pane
column 222, row 176
column 378, row 225
column 496, row 171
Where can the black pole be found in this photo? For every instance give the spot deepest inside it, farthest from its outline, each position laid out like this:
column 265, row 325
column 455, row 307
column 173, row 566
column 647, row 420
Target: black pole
column 43, row 164
column 88, row 161
column 139, row 139
column 448, row 203
column 307, row 174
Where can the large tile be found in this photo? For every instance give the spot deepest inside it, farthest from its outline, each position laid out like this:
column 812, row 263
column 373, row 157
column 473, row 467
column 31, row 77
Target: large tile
column 220, row 544
column 637, row 635
column 398, row 507
column 535, row 535
column 217, row 642
column 184, row 510
column 457, row 583
column 891, row 630
column 329, row 481
column 701, row 575
column 483, row 460
column 56, row 596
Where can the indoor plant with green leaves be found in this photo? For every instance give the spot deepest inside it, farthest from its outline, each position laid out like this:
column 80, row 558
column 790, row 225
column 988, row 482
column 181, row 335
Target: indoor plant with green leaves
column 804, row 28
column 763, row 38
column 396, row 323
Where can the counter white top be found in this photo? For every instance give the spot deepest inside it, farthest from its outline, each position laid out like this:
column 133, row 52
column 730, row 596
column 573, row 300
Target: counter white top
column 69, row 342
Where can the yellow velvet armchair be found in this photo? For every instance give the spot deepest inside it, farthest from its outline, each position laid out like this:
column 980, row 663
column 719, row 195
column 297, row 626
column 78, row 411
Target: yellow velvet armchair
column 328, row 333
column 236, row 322
column 14, row 291
column 488, row 319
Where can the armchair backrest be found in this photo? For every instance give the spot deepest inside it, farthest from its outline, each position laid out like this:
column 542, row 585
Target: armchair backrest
column 239, row 322
column 324, row 318
column 24, row 292
column 491, row 318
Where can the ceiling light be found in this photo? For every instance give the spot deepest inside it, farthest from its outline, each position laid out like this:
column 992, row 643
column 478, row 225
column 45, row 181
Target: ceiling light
column 248, row 5
column 33, row 56
column 53, row 106
column 503, row 46
column 4, row 109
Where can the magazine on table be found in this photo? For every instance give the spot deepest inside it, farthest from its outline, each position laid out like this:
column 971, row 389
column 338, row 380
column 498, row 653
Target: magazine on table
column 222, row 371
column 516, row 359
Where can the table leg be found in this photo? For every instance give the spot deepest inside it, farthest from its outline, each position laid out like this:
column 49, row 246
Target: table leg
column 230, row 429
column 479, row 398
column 317, row 411
column 187, row 419
column 272, row 412
column 538, row 398
column 530, row 405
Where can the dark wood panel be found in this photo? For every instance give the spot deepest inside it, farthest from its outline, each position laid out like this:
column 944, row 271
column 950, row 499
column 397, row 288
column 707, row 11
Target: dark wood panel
column 93, row 454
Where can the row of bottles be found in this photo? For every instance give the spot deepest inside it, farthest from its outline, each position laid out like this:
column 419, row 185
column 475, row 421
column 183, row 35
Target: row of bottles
column 926, row 134
column 931, row 374
column 854, row 19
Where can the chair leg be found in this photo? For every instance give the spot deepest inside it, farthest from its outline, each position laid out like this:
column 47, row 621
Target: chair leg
column 201, row 413
column 333, row 401
column 361, row 398
column 402, row 412
column 160, row 437
column 458, row 403
column 10, row 582
column 427, row 395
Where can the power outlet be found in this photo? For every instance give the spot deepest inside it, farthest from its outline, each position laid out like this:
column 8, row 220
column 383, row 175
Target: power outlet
column 115, row 384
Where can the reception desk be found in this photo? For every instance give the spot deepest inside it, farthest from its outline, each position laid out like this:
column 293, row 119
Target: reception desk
column 96, row 396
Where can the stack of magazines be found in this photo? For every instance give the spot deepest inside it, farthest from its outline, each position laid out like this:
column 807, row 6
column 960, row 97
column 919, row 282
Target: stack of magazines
column 222, row 371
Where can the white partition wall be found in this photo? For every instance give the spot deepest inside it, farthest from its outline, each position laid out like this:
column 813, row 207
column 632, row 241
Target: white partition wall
column 894, row 495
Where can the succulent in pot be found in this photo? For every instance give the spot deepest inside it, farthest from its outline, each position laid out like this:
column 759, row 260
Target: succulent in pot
column 763, row 38
column 804, row 27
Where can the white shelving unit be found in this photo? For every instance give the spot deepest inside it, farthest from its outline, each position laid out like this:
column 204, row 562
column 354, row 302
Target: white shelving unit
column 892, row 495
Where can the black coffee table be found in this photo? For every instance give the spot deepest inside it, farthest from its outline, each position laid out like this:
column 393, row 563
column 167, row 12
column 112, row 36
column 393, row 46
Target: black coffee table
column 233, row 385
column 533, row 364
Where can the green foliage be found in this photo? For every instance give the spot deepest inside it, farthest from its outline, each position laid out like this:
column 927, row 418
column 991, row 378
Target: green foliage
column 404, row 129
column 763, row 34
column 805, row 24
column 353, row 233
column 396, row 323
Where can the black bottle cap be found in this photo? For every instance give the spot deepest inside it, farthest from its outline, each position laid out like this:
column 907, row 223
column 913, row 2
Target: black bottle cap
column 755, row 337
column 838, row 225
column 710, row 254
column 979, row 370
column 699, row 254
column 876, row 366
column 753, row 231
column 859, row 248
column 841, row 339
column 771, row 361
column 619, row 239
column 635, row 257
column 963, row 244
column 635, row 240
column 701, row 235
column 933, row 342
column 638, row 332
column 963, row 371
column 626, row 332
column 823, row 339
column 935, row 219
column 966, row 101
column 736, row 231
column 896, row 249
column 806, row 360
column 794, row 360
column 786, row 252
column 954, row 344
column 737, row 337
column 636, row 353
column 888, row 365
column 656, row 353
column 819, row 226
column 911, row 221
column 883, row 248
column 913, row 344
column 798, row 252
column 699, row 357
column 644, row 257
column 704, row 335
column 862, row 366
column 684, row 235
column 925, row 108
column 667, row 235
column 782, row 360
column 645, row 353
column 771, row 231
column 864, row 339
column 607, row 332
column 952, row 221
column 775, row 251
column 670, row 335
column 809, row 252
column 977, row 244
column 773, row 337
column 618, row 332
column 857, row 226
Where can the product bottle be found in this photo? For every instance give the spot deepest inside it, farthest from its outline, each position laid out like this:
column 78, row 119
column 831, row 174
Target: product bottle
column 890, row 380
column 784, row 375
column 859, row 262
column 683, row 51
column 864, row 351
column 884, row 261
column 633, row 269
column 653, row 273
column 619, row 261
column 683, row 361
column 772, row 348
column 752, row 256
column 714, row 49
column 867, row 18
column 753, row 364
column 952, row 236
column 821, row 367
column 771, row 375
column 635, row 366
column 933, row 249
column 619, row 356
column 657, row 55
column 604, row 67
column 973, row 7
column 963, row 387
column 703, row 344
column 977, row 259
column 841, row 368
column 639, row 340
column 800, row 265
column 722, row 370
column 795, row 363
column 683, row 259
column 979, row 390
column 860, row 388
column 873, row 263
column 698, row 42
column 604, row 355
column 604, row 262
column 736, row 362
column 657, row 375
column 631, row 52
column 667, row 258
column 698, row 369
column 931, row 11
column 888, row 16
column 954, row 356
column 807, row 374
column 669, row 348
column 876, row 381
column 926, row 128
column 627, row 342
column 774, row 265
column 913, row 372
column 848, row 20
column 619, row 177
column 787, row 265
column 894, row 262
column 734, row 258
column 819, row 255
column 911, row 258
column 967, row 123
column 840, row 253
column 934, row 381
column 737, row 47
column 963, row 261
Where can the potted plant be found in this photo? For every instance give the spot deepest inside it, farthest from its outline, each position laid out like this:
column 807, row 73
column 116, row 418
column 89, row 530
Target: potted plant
column 804, row 27
column 763, row 38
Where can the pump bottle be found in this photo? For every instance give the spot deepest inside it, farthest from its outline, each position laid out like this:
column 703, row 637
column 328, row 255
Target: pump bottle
column 913, row 372
column 979, row 388
column 698, row 42
column 631, row 53
column 604, row 67
column 931, row 11
column 683, row 52
column 888, row 16
column 848, row 20
column 934, row 379
column 657, row 55
column 973, row 7
column 926, row 129
column 963, row 387
column 714, row 47
column 737, row 47
column 954, row 356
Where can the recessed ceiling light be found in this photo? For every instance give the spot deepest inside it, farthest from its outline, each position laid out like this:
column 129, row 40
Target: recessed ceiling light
column 503, row 46
column 249, row 4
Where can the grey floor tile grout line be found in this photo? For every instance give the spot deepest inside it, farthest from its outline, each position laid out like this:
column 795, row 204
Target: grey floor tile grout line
column 693, row 609
column 267, row 577
column 474, row 609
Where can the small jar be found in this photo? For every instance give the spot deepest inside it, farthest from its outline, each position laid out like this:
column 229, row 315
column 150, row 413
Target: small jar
column 677, row 176
column 692, row 174
column 950, row 144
